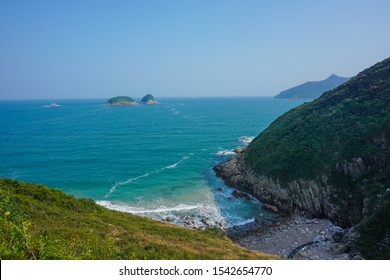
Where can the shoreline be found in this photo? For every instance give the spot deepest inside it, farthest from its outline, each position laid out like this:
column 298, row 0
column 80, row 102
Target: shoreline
column 291, row 234
column 295, row 237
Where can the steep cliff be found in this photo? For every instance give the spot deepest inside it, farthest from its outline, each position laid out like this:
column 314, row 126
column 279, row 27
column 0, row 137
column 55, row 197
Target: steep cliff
column 327, row 158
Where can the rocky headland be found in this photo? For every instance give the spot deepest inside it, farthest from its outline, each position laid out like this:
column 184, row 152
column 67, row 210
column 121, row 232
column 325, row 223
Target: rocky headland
column 327, row 159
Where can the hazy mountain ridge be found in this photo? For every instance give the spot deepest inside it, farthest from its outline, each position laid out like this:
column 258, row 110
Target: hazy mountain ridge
column 312, row 90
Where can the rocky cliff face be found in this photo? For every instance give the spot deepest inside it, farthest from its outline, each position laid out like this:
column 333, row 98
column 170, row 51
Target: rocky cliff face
column 315, row 198
column 303, row 196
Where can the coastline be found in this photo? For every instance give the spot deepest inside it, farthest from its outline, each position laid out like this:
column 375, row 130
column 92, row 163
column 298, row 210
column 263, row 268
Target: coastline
column 291, row 234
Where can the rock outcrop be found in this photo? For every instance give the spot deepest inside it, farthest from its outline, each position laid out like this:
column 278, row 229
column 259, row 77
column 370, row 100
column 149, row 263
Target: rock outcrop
column 149, row 100
column 307, row 197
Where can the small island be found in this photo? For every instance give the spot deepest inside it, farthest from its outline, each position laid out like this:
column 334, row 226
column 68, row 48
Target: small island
column 149, row 99
column 121, row 101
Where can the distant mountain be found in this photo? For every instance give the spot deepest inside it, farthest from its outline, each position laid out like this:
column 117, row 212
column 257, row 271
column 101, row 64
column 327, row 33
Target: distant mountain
column 311, row 90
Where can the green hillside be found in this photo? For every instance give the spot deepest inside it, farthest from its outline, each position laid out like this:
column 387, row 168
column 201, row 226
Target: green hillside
column 42, row 223
column 311, row 90
column 339, row 143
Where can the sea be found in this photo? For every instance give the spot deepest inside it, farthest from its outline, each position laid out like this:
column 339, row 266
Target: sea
column 149, row 160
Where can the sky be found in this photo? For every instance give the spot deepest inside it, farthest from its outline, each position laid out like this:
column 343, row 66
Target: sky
column 99, row 49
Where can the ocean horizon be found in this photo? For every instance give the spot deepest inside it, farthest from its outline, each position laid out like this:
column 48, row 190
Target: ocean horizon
column 149, row 160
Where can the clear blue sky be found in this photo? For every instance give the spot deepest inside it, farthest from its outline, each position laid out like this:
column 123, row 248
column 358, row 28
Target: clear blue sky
column 92, row 49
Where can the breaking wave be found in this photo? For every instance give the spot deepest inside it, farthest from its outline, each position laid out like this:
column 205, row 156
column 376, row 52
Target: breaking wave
column 195, row 216
column 225, row 152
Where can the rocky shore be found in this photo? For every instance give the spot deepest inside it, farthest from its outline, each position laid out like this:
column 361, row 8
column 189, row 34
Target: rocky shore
column 296, row 237
column 296, row 233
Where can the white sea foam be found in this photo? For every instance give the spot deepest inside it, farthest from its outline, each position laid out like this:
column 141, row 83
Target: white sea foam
column 141, row 210
column 225, row 152
column 243, row 222
column 50, row 106
column 177, row 163
column 117, row 184
column 197, row 216
column 246, row 140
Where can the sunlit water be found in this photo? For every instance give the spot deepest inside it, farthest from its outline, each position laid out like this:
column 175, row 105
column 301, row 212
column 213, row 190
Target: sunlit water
column 151, row 160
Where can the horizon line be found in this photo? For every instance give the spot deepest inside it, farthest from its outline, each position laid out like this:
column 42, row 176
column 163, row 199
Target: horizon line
column 162, row 97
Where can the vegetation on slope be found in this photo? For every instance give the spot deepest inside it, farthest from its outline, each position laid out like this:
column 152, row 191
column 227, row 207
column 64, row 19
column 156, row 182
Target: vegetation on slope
column 42, row 223
column 340, row 125
column 345, row 135
column 121, row 100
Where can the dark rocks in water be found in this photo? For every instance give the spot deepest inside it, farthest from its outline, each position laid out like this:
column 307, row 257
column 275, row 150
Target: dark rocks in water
column 239, row 194
column 149, row 100
column 121, row 101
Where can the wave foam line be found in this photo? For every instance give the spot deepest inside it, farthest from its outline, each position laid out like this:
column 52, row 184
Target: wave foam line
column 177, row 163
column 131, row 180
column 140, row 210
column 246, row 139
column 117, row 184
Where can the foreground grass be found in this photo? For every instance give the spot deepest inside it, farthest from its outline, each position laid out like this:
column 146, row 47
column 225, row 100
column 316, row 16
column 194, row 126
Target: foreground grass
column 42, row 223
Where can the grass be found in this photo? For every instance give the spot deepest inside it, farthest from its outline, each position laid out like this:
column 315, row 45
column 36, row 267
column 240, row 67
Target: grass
column 43, row 223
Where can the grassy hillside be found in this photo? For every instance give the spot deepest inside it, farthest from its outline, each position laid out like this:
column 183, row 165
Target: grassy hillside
column 42, row 223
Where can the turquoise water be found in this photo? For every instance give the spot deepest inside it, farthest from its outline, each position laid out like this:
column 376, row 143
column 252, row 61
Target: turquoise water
column 149, row 160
